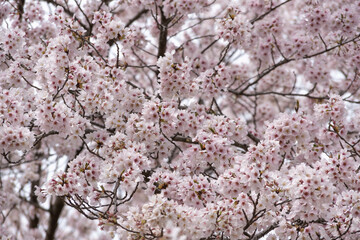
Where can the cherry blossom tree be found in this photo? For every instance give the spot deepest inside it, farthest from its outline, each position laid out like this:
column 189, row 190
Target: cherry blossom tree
column 180, row 119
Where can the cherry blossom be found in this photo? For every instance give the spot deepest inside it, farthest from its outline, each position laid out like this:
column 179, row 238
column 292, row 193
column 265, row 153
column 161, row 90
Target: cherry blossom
column 179, row 119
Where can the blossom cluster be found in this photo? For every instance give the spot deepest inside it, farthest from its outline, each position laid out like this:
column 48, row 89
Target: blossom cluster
column 175, row 77
column 292, row 131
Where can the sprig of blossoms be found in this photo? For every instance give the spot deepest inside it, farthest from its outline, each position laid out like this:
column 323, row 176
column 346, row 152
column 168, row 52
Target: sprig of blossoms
column 292, row 131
